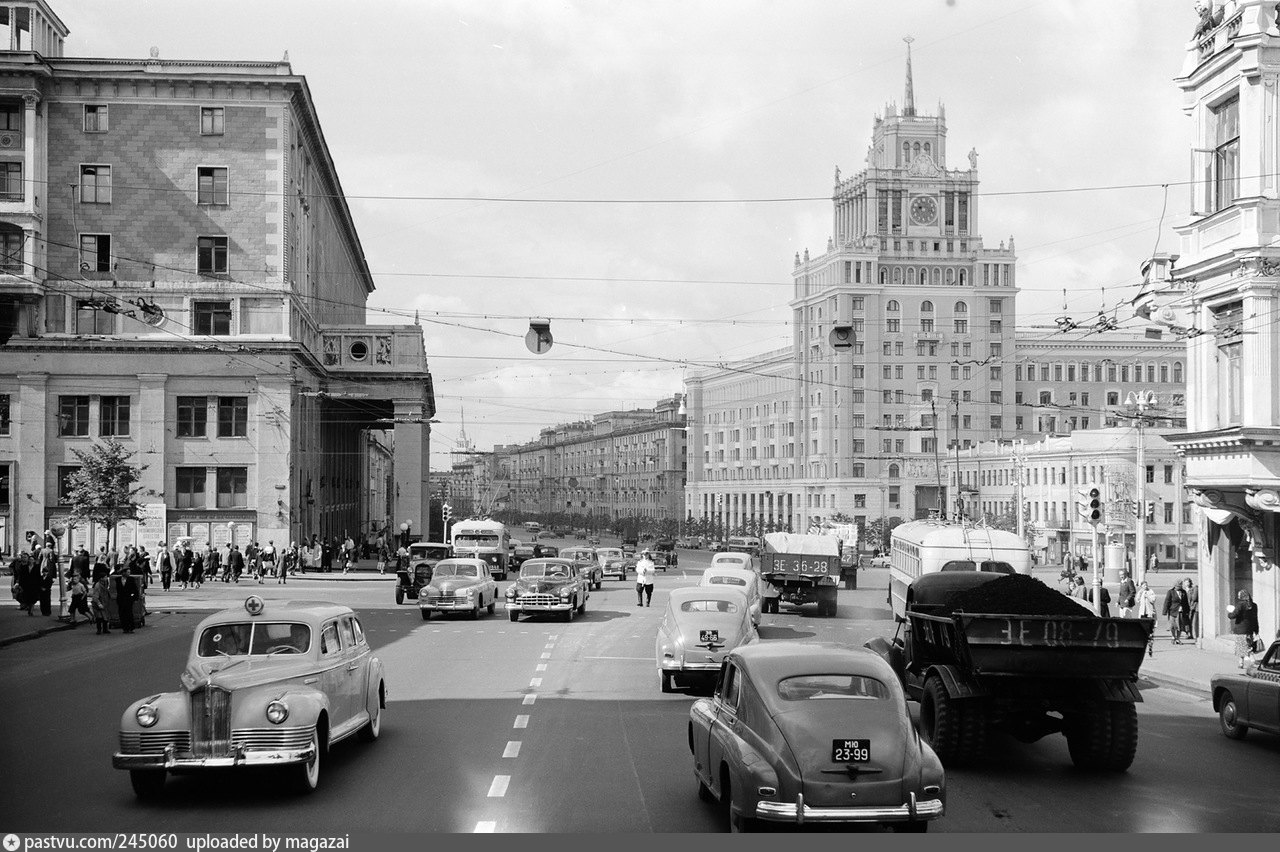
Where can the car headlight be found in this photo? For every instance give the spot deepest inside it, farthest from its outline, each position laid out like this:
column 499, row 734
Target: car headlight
column 511, row 591
column 566, row 592
column 147, row 715
column 277, row 712
column 469, row 592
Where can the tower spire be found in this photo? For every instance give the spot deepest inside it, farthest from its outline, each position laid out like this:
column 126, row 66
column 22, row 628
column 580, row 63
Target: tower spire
column 909, row 105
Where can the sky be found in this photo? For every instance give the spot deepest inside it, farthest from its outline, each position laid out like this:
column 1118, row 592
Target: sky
column 643, row 173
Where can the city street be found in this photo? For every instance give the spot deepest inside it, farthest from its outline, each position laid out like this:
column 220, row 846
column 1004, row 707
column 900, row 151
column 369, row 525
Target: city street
column 539, row 726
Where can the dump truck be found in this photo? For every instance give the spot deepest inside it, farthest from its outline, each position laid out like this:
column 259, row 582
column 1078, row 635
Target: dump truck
column 800, row 569
column 1018, row 661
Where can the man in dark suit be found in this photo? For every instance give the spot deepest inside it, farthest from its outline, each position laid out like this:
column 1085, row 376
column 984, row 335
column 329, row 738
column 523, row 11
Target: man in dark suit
column 235, row 561
column 1175, row 604
column 80, row 564
column 126, row 594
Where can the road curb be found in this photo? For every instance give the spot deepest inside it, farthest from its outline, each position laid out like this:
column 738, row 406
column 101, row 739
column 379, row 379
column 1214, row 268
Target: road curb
column 35, row 634
column 1182, row 684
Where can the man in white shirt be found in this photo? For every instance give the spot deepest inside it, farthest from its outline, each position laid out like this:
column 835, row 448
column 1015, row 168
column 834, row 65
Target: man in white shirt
column 645, row 571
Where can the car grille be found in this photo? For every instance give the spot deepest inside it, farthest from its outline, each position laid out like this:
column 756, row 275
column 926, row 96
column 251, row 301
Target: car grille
column 272, row 738
column 449, row 598
column 538, row 600
column 153, row 742
column 210, row 722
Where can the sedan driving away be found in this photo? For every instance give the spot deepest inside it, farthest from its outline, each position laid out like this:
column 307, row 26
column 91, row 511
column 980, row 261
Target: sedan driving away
column 800, row 732
column 700, row 625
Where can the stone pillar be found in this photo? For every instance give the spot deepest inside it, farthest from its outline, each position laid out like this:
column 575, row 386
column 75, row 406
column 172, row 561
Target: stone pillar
column 412, row 452
column 32, row 474
column 29, row 146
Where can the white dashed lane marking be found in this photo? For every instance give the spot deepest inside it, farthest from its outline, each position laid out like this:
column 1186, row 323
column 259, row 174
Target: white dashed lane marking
column 540, row 667
column 486, row 826
column 529, row 699
column 537, row 681
column 498, row 788
column 546, row 655
column 512, row 749
column 521, row 722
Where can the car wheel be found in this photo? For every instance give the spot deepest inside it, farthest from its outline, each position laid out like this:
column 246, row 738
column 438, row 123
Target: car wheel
column 1229, row 719
column 582, row 607
column 399, row 595
column 475, row 612
column 308, row 774
column 373, row 728
column 513, row 614
column 147, row 783
column 493, row 606
column 568, row 614
column 426, row 614
column 704, row 792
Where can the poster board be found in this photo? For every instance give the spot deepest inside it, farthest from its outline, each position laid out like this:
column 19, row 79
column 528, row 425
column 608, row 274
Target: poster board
column 199, row 532
column 126, row 534
column 151, row 525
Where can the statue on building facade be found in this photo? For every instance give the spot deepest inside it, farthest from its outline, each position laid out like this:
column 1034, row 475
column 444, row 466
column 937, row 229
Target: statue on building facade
column 1209, row 16
column 973, row 158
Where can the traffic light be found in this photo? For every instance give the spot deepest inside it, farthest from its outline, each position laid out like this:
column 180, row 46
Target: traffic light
column 1151, row 510
column 1093, row 508
column 446, row 512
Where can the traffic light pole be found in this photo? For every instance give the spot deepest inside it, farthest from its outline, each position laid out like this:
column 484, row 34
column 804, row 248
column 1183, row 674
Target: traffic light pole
column 1097, row 573
column 1140, row 525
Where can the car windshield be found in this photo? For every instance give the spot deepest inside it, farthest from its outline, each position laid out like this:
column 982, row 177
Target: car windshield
column 723, row 561
column 544, row 570
column 721, row 580
column 254, row 637
column 807, row 687
column 989, row 566
column 446, row 570
column 708, row 606
column 475, row 540
column 608, row 553
column 428, row 552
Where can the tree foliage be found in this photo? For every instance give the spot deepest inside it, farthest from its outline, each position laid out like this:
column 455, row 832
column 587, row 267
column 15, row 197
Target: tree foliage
column 104, row 489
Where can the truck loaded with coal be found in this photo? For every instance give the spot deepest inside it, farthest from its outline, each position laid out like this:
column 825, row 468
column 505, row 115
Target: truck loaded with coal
column 985, row 651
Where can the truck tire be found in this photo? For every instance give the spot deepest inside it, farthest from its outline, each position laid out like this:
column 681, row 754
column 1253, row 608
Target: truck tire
column 1088, row 733
column 938, row 723
column 973, row 717
column 1123, row 719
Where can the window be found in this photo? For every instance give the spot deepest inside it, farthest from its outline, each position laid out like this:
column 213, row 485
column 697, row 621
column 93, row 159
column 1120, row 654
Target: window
column 12, row 243
column 212, row 182
column 95, row 118
column 926, row 307
column 1224, row 168
column 895, row 496
column 95, row 252
column 893, row 471
column 211, row 119
column 893, row 325
column 926, row 325
column 95, row 184
column 997, row 306
column 996, row 373
column 113, row 416
column 11, row 188
column 64, row 483
column 212, row 318
column 961, row 326
column 893, row 306
column 233, row 487
column 4, row 421
column 996, row 326
column 233, row 416
column 859, row 470
column 193, row 416
column 211, row 255
column 997, row 422
column 11, row 118
column 961, row 308
column 92, row 319
column 73, row 416
column 190, row 482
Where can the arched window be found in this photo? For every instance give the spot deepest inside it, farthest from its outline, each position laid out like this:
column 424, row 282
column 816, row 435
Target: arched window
column 937, row 275
column 926, row 307
column 893, row 306
column 1177, row 371
column 893, row 471
column 1151, row 372
column 906, row 152
column 884, row 275
column 915, row 149
column 928, row 149
column 964, row 277
column 961, row 308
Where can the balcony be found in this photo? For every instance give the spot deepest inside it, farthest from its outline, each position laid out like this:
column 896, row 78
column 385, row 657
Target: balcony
column 372, row 348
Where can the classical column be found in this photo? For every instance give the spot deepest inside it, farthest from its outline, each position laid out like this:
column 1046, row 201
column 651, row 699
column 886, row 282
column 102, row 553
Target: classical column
column 30, row 488
column 29, row 147
column 412, row 451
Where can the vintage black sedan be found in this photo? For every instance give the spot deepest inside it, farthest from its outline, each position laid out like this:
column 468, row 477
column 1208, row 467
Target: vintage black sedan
column 805, row 732
column 1251, row 698
column 423, row 557
column 548, row 585
column 265, row 685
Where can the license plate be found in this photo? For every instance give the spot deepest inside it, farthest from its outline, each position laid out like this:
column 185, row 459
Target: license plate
column 709, row 636
column 850, row 751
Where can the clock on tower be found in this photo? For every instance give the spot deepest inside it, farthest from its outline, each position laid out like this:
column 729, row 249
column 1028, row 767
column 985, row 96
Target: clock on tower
column 924, row 210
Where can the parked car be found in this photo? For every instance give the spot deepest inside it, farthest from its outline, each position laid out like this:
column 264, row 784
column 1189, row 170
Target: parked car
column 664, row 543
column 423, row 556
column 274, row 684
column 700, row 625
column 459, row 585
column 802, row 732
column 875, row 561
column 1250, row 698
column 740, row 578
column 613, row 562
column 548, row 585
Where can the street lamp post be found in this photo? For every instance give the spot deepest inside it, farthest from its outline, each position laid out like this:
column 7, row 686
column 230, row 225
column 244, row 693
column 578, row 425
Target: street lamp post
column 1141, row 400
column 405, row 527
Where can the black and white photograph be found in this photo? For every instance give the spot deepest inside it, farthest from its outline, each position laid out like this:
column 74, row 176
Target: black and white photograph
column 443, row 417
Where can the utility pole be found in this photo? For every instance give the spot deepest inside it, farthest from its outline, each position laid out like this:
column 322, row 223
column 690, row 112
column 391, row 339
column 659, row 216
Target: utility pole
column 1142, row 400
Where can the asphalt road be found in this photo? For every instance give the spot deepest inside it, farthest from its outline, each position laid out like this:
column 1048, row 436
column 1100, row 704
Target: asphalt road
column 541, row 726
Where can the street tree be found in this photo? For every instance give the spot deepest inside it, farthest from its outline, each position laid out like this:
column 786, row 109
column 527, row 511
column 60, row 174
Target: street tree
column 104, row 489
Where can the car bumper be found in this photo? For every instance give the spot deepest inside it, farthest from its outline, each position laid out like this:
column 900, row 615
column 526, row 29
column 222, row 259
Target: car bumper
column 677, row 666
column 239, row 756
column 798, row 812
column 447, row 606
column 516, row 606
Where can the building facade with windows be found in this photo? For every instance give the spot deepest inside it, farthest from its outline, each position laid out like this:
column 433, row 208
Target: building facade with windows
column 1047, row 477
column 182, row 274
column 618, row 465
column 1221, row 293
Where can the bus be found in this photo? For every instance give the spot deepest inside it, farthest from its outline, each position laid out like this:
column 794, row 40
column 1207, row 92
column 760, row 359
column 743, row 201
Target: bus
column 926, row 547
column 744, row 544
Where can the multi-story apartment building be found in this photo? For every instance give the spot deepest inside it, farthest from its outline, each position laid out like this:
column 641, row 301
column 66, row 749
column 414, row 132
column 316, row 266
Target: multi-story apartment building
column 618, row 465
column 1047, row 477
column 1222, row 296
column 182, row 273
